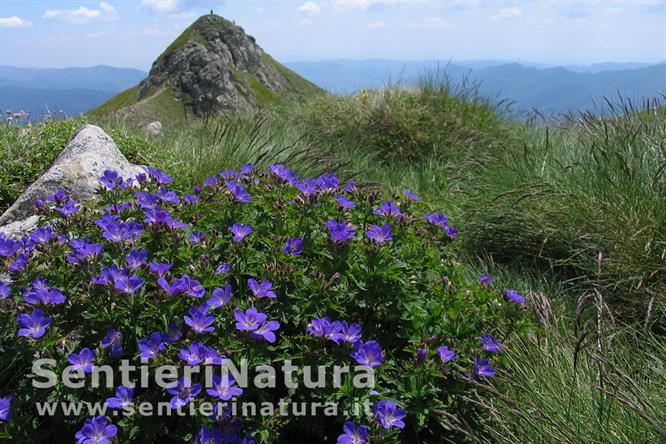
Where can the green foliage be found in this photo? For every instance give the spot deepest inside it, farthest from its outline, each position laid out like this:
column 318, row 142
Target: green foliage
column 408, row 293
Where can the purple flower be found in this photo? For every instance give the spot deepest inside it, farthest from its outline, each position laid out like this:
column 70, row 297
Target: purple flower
column 353, row 435
column 141, row 177
column 283, row 173
column 237, row 191
column 8, row 247
column 42, row 235
column 265, row 331
column 325, row 328
column 343, row 202
column 96, row 431
column 221, row 296
column 308, row 187
column 163, row 217
column 261, row 290
column 451, row 232
column 128, row 285
column 194, row 354
column 351, row 186
column 223, row 269
column 223, row 388
column 380, row 234
column 485, row 280
column 389, row 415
column 190, row 199
column 19, row 263
column 350, row 333
column 113, row 339
column 411, row 196
column 368, row 353
column 149, row 348
column 514, row 296
column 123, row 399
column 172, row 335
column 33, row 324
column 147, row 201
column 84, row 360
column 197, row 237
column 183, row 393
column 240, row 232
column 58, row 197
column 445, row 354
column 5, row 289
column 390, row 209
column 483, row 369
column 340, row 231
column 39, row 292
column 110, row 274
column 294, row 246
column 83, row 250
column 159, row 269
column 190, row 286
column 212, row 357
column 168, row 196
column 68, row 209
column 490, row 344
column 437, row 219
column 210, row 436
column 249, row 320
column 136, row 259
column 111, row 179
column 158, row 175
column 421, row 354
column 5, row 409
column 199, row 320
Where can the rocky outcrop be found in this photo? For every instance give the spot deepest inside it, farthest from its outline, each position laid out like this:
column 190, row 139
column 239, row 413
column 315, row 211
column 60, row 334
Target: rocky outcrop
column 77, row 170
column 154, row 129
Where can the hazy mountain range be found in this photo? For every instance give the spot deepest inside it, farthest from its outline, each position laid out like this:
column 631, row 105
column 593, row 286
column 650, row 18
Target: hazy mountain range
column 528, row 85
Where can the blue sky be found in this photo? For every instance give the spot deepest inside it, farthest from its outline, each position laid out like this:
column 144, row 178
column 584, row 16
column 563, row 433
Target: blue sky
column 131, row 33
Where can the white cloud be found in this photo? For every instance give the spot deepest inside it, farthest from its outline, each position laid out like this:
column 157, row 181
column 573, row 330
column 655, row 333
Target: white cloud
column 14, row 22
column 82, row 14
column 508, row 14
column 377, row 24
column 310, row 8
column 161, row 6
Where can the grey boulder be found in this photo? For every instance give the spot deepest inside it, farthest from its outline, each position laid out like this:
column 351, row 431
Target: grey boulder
column 77, row 170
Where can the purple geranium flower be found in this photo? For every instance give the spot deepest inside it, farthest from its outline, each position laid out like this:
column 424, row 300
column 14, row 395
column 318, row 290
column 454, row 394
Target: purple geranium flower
column 136, row 259
column 485, row 280
column 514, row 296
column 183, row 393
column 283, row 173
column 19, row 263
column 483, row 369
column 190, row 287
column 42, row 235
column 351, row 186
column 173, row 334
column 212, row 357
column 210, row 436
column 159, row 269
column 196, row 237
column 343, row 202
column 380, row 234
column 340, row 231
column 39, row 292
column 5, row 289
column 390, row 209
column 221, row 296
column 445, row 354
column 113, row 339
column 6, row 413
column 437, row 219
column 411, row 196
column 194, row 354
column 96, row 431
column 294, row 246
column 223, row 268
column 199, row 320
column 58, row 197
column 350, row 333
column 123, row 399
column 237, row 191
column 265, row 331
column 168, row 196
column 368, row 353
column 249, row 320
column 325, row 328
column 128, row 285
column 163, row 217
column 240, row 232
column 389, row 415
column 149, row 348
column 33, row 324
column 490, row 344
column 83, row 360
column 223, row 388
column 161, row 177
column 8, row 247
column 261, row 290
column 353, row 435
column 68, row 209
column 111, row 179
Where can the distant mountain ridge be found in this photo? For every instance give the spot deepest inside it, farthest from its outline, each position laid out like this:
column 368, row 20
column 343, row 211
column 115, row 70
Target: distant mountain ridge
column 547, row 89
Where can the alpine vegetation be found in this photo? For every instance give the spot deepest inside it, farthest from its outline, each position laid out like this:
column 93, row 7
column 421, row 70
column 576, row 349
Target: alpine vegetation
column 252, row 266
